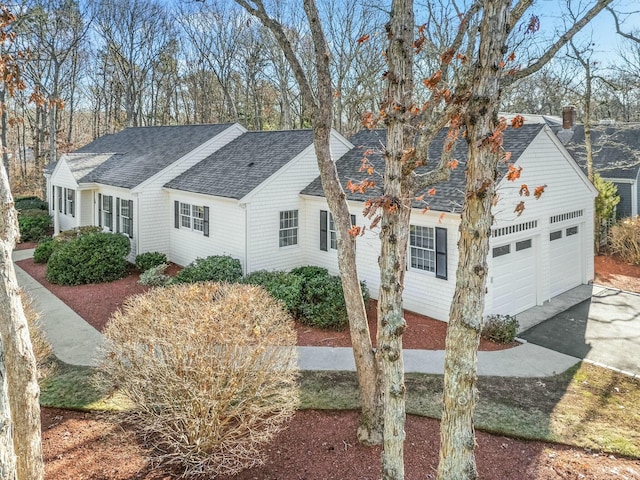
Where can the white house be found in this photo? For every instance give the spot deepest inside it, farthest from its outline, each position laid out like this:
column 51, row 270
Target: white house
column 116, row 181
column 257, row 197
column 534, row 256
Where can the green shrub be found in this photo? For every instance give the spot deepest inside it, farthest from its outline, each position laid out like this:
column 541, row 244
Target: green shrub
column 148, row 260
column 43, row 251
column 323, row 303
column 283, row 286
column 215, row 269
column 210, row 371
column 90, row 258
column 625, row 240
column 34, row 224
column 30, row 203
column 310, row 271
column 155, row 276
column 500, row 328
column 77, row 232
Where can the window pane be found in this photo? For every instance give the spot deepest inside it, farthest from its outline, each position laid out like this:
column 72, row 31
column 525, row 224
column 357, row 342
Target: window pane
column 288, row 234
column 572, row 231
column 555, row 235
column 500, row 251
column 421, row 240
column 523, row 245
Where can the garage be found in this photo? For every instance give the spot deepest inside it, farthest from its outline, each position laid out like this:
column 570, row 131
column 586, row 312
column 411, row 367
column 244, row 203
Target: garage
column 513, row 277
column 565, row 259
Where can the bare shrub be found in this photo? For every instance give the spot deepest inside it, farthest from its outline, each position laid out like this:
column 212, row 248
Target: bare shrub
column 210, row 370
column 42, row 349
column 625, row 240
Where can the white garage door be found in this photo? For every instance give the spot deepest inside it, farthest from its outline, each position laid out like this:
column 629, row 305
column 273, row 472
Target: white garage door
column 513, row 277
column 565, row 259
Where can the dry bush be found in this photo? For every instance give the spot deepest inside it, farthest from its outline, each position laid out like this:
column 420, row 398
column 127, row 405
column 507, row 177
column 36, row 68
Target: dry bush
column 210, row 370
column 42, row 349
column 625, row 240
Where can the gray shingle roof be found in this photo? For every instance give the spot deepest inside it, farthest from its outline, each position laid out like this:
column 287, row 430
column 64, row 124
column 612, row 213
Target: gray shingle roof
column 616, row 149
column 243, row 164
column 449, row 195
column 144, row 151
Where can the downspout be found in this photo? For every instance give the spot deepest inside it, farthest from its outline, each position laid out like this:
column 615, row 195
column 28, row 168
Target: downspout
column 137, row 222
column 246, row 238
column 56, row 219
column 634, row 198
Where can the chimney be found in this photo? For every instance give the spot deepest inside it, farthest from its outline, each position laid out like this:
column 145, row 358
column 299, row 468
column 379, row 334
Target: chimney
column 569, row 117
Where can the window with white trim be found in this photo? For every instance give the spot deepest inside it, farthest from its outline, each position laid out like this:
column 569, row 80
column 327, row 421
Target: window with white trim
column 70, row 202
column 192, row 217
column 422, row 248
column 126, row 217
column 333, row 235
column 106, row 211
column 185, row 215
column 288, row 233
column 197, row 215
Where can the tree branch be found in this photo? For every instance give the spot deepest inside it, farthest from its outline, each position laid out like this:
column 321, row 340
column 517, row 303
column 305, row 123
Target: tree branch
column 561, row 42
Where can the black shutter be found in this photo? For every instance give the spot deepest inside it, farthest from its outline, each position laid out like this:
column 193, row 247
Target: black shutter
column 99, row 209
column 353, row 220
column 323, row 230
column 118, row 215
column 110, row 197
column 206, row 221
column 130, row 218
column 176, row 214
column 64, row 195
column 441, row 253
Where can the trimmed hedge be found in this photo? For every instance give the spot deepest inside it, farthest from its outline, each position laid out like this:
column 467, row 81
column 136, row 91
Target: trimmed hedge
column 43, row 251
column 148, row 260
column 34, row 224
column 211, row 269
column 30, row 203
column 321, row 301
column 91, row 258
column 282, row 286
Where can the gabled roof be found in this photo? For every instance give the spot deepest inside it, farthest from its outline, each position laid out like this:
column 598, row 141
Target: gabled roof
column 138, row 153
column 243, row 164
column 83, row 164
column 616, row 149
column 450, row 194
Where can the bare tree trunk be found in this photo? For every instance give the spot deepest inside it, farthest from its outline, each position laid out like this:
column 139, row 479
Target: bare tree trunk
column 396, row 211
column 457, row 437
column 22, row 381
column 7, row 453
column 3, row 132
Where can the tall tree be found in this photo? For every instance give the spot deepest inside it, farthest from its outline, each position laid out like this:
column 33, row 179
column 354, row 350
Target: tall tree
column 318, row 96
column 20, row 441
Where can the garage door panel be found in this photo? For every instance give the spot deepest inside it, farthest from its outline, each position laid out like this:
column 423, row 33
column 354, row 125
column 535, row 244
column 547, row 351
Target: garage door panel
column 565, row 257
column 513, row 277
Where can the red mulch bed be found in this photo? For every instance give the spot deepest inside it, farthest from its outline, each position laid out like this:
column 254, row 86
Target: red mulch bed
column 317, row 445
column 96, row 303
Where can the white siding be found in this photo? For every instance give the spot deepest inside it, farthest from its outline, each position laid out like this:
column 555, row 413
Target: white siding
column 62, row 177
column 282, row 193
column 86, row 208
column 226, row 230
column 566, row 191
column 155, row 208
column 122, row 194
column 423, row 293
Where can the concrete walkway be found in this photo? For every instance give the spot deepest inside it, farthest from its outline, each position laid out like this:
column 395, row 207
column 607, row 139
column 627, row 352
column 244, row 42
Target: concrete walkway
column 76, row 342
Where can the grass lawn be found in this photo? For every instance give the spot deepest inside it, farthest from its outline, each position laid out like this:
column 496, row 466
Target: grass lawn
column 586, row 406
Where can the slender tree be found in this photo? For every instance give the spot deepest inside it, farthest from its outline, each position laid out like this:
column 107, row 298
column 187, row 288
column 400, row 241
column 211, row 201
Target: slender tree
column 20, row 441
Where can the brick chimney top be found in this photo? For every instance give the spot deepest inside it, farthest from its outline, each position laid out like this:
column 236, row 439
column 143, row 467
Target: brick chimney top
column 569, row 117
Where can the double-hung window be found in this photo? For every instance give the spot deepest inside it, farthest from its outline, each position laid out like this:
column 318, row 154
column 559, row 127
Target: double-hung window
column 191, row 217
column 329, row 232
column 70, row 202
column 288, row 234
column 125, row 215
column 428, row 249
column 105, row 211
column 423, row 251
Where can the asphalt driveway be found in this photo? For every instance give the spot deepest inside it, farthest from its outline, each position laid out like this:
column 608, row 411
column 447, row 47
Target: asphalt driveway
column 604, row 329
